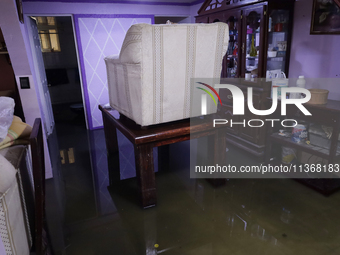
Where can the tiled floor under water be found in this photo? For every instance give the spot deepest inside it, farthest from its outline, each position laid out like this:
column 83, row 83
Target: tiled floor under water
column 245, row 216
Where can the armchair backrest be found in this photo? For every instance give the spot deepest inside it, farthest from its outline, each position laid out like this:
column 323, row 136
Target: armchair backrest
column 183, row 50
column 150, row 80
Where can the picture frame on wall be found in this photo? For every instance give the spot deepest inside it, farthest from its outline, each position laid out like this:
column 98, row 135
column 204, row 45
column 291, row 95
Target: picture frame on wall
column 325, row 17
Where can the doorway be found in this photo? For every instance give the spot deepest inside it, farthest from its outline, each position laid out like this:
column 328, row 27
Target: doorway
column 69, row 142
column 62, row 71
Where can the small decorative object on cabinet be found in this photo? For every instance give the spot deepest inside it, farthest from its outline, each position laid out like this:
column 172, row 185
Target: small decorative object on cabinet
column 268, row 22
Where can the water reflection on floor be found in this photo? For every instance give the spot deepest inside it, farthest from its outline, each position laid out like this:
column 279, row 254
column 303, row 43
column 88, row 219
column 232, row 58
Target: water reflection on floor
column 245, row 216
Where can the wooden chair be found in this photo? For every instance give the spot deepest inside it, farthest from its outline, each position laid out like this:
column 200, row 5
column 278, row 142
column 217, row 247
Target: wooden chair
column 41, row 243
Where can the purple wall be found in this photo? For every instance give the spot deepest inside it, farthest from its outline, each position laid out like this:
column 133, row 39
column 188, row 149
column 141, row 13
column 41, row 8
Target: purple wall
column 91, row 30
column 315, row 56
column 104, row 8
column 193, row 11
column 99, row 36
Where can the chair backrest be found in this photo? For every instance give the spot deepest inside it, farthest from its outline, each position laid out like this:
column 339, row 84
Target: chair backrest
column 41, row 242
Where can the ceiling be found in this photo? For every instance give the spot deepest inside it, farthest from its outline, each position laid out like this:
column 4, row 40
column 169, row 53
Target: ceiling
column 173, row 1
column 178, row 2
column 163, row 1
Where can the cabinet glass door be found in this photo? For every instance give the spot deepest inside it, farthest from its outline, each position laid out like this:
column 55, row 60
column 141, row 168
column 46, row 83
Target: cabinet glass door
column 278, row 27
column 232, row 60
column 251, row 46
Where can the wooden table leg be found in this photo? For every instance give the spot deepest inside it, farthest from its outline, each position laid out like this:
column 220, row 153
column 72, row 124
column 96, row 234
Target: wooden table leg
column 221, row 146
column 112, row 150
column 218, row 143
column 146, row 174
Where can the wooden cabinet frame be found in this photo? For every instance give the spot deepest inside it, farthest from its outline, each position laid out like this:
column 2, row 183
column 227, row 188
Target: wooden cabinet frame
column 241, row 8
column 248, row 138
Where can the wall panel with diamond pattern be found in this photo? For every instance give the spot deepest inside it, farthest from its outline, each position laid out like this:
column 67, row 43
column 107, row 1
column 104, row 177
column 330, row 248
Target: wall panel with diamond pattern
column 99, row 36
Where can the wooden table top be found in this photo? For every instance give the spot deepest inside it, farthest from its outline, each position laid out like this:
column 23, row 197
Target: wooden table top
column 139, row 135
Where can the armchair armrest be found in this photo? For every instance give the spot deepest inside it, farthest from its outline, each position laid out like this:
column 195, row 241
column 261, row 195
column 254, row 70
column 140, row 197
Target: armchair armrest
column 114, row 59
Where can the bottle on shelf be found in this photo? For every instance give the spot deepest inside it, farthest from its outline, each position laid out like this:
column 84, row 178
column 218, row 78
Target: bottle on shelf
column 270, row 24
column 247, row 75
column 235, row 50
column 253, row 51
column 301, row 83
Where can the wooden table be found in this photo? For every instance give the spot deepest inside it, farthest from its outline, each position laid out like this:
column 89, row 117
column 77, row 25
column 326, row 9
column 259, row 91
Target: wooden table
column 145, row 139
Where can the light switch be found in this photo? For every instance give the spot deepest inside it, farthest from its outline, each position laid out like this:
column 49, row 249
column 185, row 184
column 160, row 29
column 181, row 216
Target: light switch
column 24, row 83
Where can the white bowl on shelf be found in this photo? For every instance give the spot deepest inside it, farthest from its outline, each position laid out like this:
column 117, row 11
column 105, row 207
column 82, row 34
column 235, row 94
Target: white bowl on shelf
column 272, row 54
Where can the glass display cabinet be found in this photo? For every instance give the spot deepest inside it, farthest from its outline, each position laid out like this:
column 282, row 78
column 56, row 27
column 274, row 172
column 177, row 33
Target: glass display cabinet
column 278, row 36
column 260, row 35
column 259, row 47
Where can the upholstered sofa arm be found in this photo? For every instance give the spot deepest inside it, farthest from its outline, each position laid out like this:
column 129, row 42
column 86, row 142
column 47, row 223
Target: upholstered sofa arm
column 125, row 88
column 7, row 175
column 112, row 59
column 14, row 230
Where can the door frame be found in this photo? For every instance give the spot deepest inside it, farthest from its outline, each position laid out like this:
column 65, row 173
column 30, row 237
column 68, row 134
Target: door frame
column 42, row 92
column 28, row 15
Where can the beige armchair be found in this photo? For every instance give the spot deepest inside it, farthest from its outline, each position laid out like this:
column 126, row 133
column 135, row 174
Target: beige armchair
column 22, row 198
column 149, row 82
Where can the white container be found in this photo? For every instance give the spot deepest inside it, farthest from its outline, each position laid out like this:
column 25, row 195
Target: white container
column 271, row 54
column 300, row 83
column 280, row 82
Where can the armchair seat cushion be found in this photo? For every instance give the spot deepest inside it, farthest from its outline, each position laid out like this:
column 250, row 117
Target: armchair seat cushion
column 150, row 80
